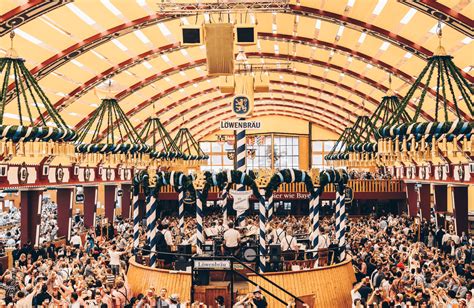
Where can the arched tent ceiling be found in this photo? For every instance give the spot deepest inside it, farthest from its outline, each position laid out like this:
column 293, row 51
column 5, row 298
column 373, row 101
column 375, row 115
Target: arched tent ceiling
column 341, row 52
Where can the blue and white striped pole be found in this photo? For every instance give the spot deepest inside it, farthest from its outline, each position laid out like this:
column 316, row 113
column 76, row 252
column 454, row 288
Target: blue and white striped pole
column 311, row 213
column 315, row 222
column 271, row 207
column 181, row 210
column 338, row 215
column 342, row 232
column 154, row 238
column 149, row 217
column 225, row 194
column 136, row 222
column 241, row 163
column 262, row 247
column 199, row 219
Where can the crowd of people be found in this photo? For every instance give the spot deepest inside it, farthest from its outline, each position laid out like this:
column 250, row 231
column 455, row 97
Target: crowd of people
column 398, row 261
column 10, row 224
column 380, row 174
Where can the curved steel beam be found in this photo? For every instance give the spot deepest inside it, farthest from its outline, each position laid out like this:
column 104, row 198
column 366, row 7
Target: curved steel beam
column 175, row 88
column 91, row 83
column 299, row 106
column 228, row 96
column 450, row 17
column 266, row 112
column 207, row 126
column 167, row 92
column 81, row 90
column 98, row 39
column 26, row 13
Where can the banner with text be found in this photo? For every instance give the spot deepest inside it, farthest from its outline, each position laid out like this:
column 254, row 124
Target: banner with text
column 236, row 124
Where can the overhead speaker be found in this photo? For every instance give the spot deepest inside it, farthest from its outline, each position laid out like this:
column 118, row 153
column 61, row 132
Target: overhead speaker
column 219, row 49
column 245, row 34
column 191, row 35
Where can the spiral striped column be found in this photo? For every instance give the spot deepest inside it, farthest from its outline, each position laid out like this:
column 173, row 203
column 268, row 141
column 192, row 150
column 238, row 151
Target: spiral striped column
column 311, row 212
column 136, row 222
column 315, row 222
column 199, row 219
column 149, row 217
column 271, row 208
column 241, row 162
column 262, row 247
column 181, row 210
column 225, row 194
column 338, row 215
column 154, row 237
column 342, row 232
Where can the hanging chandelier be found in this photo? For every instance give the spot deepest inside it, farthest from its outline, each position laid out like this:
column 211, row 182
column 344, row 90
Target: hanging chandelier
column 163, row 148
column 449, row 133
column 109, row 137
column 37, row 130
column 189, row 147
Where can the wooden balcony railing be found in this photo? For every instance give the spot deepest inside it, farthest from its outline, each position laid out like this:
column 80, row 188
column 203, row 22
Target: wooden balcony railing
column 356, row 185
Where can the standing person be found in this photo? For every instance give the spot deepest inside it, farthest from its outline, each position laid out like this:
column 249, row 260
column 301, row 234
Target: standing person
column 231, row 240
column 161, row 300
column 258, row 299
column 162, row 247
column 115, row 259
column 76, row 241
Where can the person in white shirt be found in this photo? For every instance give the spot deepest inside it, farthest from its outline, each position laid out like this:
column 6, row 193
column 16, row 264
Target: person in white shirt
column 289, row 246
column 168, row 236
column 446, row 237
column 280, row 233
column 115, row 259
column 231, row 240
column 324, row 240
column 221, row 228
column 76, row 241
column 211, row 231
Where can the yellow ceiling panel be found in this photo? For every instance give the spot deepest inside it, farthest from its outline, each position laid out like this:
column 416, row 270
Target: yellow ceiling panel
column 7, row 5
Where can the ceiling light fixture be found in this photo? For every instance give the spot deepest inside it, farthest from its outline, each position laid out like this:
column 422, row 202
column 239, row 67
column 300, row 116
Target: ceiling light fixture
column 111, row 7
column 79, row 13
column 119, row 45
column 142, row 37
column 379, row 7
column 408, row 16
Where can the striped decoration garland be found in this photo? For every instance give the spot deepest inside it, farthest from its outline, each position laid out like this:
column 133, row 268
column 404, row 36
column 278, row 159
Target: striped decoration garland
column 262, row 248
column 199, row 219
column 136, row 223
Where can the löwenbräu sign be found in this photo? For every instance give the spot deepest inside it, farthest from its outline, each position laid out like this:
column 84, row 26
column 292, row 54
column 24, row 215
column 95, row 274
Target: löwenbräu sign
column 236, row 124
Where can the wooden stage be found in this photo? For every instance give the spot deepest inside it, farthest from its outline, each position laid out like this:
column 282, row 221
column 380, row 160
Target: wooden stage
column 330, row 285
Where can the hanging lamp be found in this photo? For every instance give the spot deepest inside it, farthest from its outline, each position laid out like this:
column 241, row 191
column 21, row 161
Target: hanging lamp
column 162, row 145
column 36, row 128
column 364, row 149
column 338, row 151
column 453, row 112
column 108, row 137
column 187, row 145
